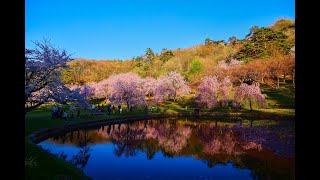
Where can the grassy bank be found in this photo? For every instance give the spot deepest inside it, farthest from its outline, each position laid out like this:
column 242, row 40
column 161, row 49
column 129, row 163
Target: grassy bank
column 42, row 165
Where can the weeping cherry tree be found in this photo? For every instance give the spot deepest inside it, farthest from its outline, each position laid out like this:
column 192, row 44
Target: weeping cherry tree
column 251, row 93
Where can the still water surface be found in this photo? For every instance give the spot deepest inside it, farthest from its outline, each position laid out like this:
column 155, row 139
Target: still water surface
column 169, row 149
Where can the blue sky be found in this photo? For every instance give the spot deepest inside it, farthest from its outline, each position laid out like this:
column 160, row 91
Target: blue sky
column 122, row 29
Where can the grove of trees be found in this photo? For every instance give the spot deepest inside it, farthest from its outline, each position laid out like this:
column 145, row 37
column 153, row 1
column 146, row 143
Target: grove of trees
column 217, row 73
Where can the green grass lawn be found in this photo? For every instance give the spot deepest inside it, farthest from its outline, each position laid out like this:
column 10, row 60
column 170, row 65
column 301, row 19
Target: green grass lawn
column 283, row 98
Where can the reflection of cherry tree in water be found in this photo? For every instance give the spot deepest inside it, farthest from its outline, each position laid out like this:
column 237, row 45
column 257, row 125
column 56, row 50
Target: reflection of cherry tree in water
column 83, row 140
column 62, row 156
column 63, row 138
column 216, row 142
column 148, row 137
column 71, row 136
column 127, row 139
column 78, row 138
column 219, row 140
column 150, row 145
column 109, row 129
column 151, row 133
column 221, row 145
column 171, row 137
column 81, row 159
column 210, row 142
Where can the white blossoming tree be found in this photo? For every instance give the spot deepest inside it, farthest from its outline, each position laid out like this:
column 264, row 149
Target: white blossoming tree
column 43, row 66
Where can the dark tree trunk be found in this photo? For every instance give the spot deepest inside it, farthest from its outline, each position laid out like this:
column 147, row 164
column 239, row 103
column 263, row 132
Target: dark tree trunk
column 294, row 85
column 250, row 103
column 128, row 106
column 30, row 108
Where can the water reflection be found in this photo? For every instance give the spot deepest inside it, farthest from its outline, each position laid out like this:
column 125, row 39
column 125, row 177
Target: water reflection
column 127, row 140
column 81, row 158
column 214, row 143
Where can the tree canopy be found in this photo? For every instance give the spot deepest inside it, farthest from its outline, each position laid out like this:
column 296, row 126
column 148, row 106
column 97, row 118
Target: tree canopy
column 43, row 66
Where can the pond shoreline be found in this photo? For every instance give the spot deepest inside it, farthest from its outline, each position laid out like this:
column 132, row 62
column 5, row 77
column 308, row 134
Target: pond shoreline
column 39, row 135
column 44, row 134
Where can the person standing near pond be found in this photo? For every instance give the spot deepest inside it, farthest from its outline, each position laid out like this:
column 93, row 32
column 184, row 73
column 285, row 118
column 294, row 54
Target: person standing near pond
column 112, row 109
column 54, row 112
column 72, row 115
column 64, row 115
column 119, row 107
column 102, row 108
column 146, row 108
column 61, row 113
column 72, row 109
column 109, row 110
column 93, row 107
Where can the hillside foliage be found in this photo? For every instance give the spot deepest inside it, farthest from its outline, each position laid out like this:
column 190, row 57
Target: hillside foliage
column 265, row 55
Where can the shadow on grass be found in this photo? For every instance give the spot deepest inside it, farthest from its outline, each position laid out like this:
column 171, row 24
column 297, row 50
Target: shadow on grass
column 284, row 97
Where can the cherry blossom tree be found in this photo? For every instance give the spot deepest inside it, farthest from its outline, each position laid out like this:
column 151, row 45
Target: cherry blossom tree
column 224, row 89
column 171, row 86
column 149, row 85
column 207, row 92
column 43, row 66
column 225, row 68
column 73, row 87
column 230, row 64
column 103, row 89
column 88, row 90
column 210, row 91
column 251, row 93
column 126, row 88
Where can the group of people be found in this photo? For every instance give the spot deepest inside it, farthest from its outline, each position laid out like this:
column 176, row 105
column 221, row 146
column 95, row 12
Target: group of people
column 98, row 108
column 111, row 109
column 58, row 112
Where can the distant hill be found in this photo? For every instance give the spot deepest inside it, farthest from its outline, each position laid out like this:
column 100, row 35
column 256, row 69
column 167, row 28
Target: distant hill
column 194, row 62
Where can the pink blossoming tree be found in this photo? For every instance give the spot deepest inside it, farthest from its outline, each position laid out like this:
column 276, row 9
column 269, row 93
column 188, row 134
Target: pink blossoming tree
column 88, row 90
column 171, row 86
column 103, row 89
column 149, row 85
column 211, row 91
column 126, row 88
column 43, row 66
column 251, row 93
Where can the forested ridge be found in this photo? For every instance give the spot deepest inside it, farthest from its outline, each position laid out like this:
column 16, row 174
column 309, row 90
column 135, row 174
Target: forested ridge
column 265, row 54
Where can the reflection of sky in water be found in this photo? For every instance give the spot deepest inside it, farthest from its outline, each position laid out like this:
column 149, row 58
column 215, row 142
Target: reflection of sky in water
column 103, row 164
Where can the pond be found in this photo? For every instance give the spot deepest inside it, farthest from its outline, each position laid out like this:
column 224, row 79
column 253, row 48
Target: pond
column 181, row 148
